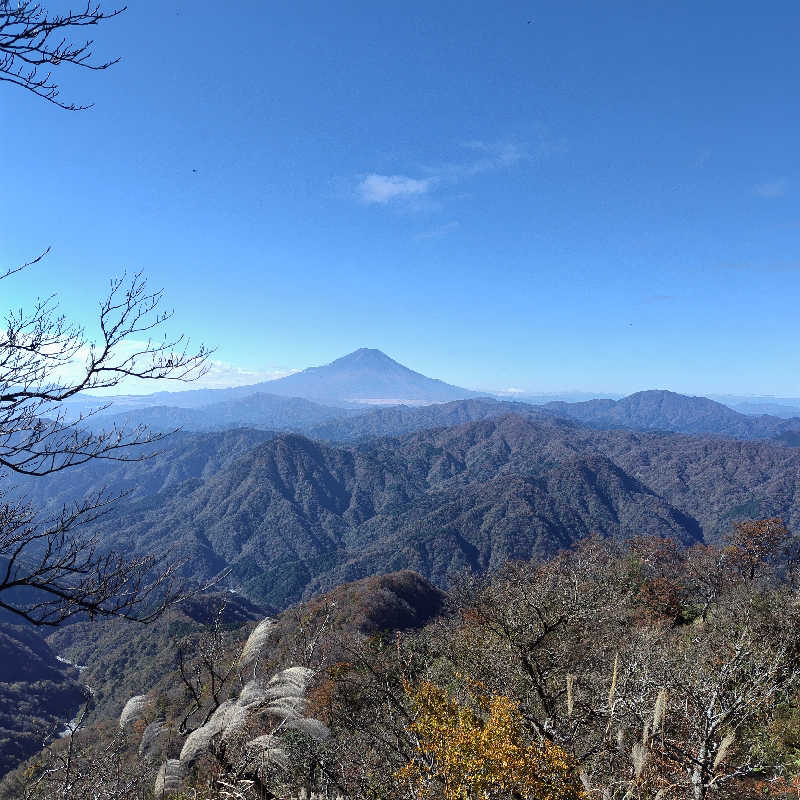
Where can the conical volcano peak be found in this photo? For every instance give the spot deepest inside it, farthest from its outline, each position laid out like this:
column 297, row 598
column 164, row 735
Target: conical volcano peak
column 366, row 376
column 366, row 357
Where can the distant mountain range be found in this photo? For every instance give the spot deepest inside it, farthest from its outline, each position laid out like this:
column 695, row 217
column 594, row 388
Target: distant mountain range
column 775, row 409
column 758, row 404
column 655, row 410
column 259, row 410
column 668, row 411
column 364, row 467
column 434, row 487
column 337, row 402
column 365, row 377
column 290, row 516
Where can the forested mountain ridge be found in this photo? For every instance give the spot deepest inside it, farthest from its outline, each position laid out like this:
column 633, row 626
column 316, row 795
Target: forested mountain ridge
column 668, row 411
column 154, row 468
column 656, row 410
column 258, row 410
column 293, row 515
column 400, row 420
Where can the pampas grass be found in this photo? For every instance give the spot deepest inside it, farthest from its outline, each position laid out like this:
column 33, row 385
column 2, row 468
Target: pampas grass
column 217, row 719
column 268, row 749
column 235, row 720
column 287, row 707
column 286, row 691
column 199, row 740
column 723, row 749
column 292, row 681
column 255, row 642
column 310, row 727
column 659, row 710
column 252, row 694
column 613, row 688
column 264, row 742
column 150, row 737
column 133, row 709
column 197, row 743
column 570, row 694
column 283, row 697
column 639, row 758
column 169, row 778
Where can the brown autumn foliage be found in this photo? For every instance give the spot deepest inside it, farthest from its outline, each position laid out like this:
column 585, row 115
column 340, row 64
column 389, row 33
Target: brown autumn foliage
column 641, row 669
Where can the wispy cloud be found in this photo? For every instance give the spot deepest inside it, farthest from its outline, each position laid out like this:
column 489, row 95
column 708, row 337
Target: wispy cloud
column 487, row 157
column 437, row 233
column 383, row 189
column 220, row 374
column 771, row 189
column 479, row 157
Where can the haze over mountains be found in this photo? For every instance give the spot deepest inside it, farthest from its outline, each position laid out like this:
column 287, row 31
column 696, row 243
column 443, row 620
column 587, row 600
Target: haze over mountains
column 292, row 495
column 363, row 377
column 668, row 411
column 337, row 402
column 364, row 467
column 292, row 515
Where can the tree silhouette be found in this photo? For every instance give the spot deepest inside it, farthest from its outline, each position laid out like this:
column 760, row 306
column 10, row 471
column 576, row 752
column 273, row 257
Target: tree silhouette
column 34, row 42
column 49, row 568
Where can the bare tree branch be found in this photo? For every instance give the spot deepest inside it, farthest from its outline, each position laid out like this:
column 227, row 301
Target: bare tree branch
column 52, row 569
column 38, row 348
column 32, row 42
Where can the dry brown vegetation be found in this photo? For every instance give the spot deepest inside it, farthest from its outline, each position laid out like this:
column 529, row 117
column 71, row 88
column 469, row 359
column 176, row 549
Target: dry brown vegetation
column 640, row 670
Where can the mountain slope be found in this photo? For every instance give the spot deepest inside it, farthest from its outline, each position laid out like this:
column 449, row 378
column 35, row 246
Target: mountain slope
column 294, row 515
column 367, row 376
column 364, row 377
column 512, row 517
column 668, row 411
column 38, row 694
column 259, row 410
column 289, row 515
column 400, row 420
column 161, row 467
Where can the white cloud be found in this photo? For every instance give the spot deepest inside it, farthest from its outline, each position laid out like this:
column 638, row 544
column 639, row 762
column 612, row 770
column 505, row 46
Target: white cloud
column 491, row 156
column 383, row 189
column 772, row 189
column 220, row 374
column 480, row 157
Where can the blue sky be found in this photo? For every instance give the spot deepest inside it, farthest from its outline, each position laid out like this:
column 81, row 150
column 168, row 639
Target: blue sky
column 540, row 195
